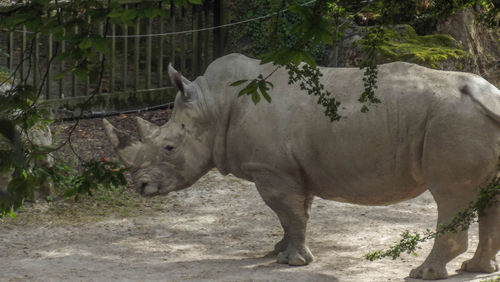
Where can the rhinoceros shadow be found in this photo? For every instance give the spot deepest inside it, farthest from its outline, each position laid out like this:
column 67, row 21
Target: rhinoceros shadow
column 246, row 269
column 464, row 276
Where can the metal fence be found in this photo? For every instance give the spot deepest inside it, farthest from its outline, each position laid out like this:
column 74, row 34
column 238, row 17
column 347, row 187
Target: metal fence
column 139, row 53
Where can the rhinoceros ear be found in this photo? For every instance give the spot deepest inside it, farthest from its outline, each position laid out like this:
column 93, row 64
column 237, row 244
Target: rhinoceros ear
column 182, row 83
column 118, row 138
column 146, row 128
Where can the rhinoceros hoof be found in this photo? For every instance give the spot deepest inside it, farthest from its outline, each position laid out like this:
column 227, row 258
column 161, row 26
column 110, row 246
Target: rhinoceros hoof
column 295, row 256
column 429, row 272
column 484, row 266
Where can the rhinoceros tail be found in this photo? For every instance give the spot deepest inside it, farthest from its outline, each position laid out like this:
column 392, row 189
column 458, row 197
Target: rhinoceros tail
column 486, row 95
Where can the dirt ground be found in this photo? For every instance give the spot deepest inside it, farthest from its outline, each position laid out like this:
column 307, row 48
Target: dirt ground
column 217, row 230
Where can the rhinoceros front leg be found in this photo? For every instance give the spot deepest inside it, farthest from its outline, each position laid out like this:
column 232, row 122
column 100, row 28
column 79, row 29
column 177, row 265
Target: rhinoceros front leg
column 292, row 204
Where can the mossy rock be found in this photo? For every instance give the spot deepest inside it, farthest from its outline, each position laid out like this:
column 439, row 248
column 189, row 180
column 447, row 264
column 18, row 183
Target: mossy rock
column 403, row 44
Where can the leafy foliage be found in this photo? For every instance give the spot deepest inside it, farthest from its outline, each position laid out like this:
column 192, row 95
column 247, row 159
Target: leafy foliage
column 20, row 110
column 308, row 79
column 97, row 173
column 404, row 44
column 487, row 197
column 371, row 44
column 268, row 34
column 312, row 30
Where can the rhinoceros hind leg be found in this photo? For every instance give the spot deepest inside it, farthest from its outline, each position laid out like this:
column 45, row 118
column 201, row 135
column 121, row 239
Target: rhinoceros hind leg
column 292, row 205
column 484, row 259
column 447, row 246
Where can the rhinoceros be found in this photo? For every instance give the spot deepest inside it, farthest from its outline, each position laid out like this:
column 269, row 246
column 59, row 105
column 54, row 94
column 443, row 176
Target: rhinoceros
column 434, row 130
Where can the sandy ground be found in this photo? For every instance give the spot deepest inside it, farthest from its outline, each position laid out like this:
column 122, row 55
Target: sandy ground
column 218, row 230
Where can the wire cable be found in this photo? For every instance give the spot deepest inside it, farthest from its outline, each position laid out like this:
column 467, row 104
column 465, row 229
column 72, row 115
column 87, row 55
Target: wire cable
column 196, row 30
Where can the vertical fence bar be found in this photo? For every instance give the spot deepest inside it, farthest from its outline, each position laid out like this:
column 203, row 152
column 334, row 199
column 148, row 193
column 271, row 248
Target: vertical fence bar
column 10, row 60
column 36, row 62
column 172, row 23
column 217, row 32
column 149, row 30
column 160, row 52
column 101, row 57
column 73, row 75
column 61, row 68
column 49, row 72
column 137, row 53
column 23, row 51
column 125, row 56
column 195, row 38
column 184, row 42
column 206, row 35
column 87, row 80
column 199, row 16
column 113, row 58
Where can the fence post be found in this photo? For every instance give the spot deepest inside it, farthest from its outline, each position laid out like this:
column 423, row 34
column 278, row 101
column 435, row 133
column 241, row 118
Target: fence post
column 160, row 52
column 23, row 51
column 125, row 57
column 137, row 53
column 87, row 80
column 10, row 60
column 73, row 76
column 195, row 36
column 149, row 30
column 184, row 42
column 218, row 20
column 113, row 59
column 206, row 35
column 172, row 20
column 49, row 72
column 37, row 60
column 61, row 68
column 101, row 56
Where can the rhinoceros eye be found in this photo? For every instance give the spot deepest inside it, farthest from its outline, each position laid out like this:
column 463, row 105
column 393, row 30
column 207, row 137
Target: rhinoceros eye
column 169, row 148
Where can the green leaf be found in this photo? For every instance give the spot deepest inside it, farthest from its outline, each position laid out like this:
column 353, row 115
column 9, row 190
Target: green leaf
column 263, row 90
column 60, row 75
column 12, row 215
column 249, row 89
column 255, row 97
column 85, row 44
column 116, row 12
column 239, row 82
column 128, row 15
column 100, row 44
column 80, row 73
column 196, row 2
column 62, row 56
column 306, row 57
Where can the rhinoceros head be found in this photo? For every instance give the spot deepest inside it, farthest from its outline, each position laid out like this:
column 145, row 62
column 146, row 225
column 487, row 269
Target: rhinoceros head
column 172, row 156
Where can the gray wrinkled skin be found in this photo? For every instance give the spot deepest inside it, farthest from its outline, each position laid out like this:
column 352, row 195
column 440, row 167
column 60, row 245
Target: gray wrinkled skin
column 433, row 130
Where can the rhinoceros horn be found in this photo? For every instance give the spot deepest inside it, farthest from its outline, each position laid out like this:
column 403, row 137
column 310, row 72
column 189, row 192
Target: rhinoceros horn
column 146, row 128
column 182, row 83
column 118, row 138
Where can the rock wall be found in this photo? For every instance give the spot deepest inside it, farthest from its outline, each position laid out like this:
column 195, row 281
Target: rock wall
column 477, row 50
column 481, row 42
